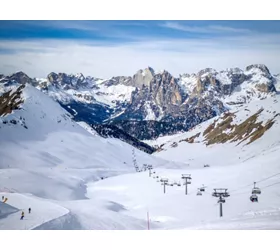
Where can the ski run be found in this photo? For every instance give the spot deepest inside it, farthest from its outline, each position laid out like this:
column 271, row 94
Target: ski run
column 72, row 178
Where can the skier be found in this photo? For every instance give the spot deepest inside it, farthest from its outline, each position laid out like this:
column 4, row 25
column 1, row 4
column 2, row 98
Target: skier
column 3, row 198
column 29, row 210
column 22, row 215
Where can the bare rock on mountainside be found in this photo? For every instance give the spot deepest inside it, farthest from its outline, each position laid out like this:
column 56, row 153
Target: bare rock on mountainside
column 157, row 103
column 11, row 100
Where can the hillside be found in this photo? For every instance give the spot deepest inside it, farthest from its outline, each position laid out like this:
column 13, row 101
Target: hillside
column 75, row 179
column 250, row 128
column 250, row 154
column 47, row 158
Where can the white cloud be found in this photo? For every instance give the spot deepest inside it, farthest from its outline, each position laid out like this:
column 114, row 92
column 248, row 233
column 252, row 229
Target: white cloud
column 39, row 57
column 208, row 29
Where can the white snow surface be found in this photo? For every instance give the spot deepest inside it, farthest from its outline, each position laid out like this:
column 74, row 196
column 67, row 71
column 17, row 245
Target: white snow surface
column 55, row 166
column 102, row 94
column 54, row 158
column 150, row 113
column 88, row 128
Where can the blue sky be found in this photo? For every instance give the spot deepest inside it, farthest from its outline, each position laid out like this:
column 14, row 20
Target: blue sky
column 108, row 48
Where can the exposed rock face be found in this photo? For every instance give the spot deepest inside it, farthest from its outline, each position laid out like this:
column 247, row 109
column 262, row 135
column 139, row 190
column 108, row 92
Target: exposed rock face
column 261, row 67
column 119, row 80
column 165, row 90
column 11, row 100
column 266, row 88
column 67, row 81
column 18, row 77
column 143, row 77
column 150, row 104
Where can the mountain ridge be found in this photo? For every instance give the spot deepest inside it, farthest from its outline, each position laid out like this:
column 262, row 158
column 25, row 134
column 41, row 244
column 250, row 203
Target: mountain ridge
column 154, row 96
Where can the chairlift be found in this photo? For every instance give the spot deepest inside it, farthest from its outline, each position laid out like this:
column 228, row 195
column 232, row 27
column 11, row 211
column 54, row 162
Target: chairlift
column 254, row 198
column 188, row 182
column 199, row 192
column 202, row 189
column 255, row 189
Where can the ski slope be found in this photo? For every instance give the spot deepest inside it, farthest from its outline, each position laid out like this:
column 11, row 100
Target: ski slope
column 44, row 153
column 175, row 210
column 55, row 167
column 41, row 211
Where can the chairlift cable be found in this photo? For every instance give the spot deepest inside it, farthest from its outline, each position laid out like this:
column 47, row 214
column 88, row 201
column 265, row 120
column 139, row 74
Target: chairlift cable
column 256, row 182
column 271, row 185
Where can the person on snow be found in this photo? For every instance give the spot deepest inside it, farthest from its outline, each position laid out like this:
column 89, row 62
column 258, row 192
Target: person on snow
column 22, row 215
column 29, row 210
column 3, row 198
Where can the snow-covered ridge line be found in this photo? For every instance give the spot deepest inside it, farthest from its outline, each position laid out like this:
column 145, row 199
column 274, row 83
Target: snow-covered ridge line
column 154, row 96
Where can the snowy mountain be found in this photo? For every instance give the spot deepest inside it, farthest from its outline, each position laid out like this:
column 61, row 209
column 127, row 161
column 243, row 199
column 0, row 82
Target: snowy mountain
column 151, row 104
column 73, row 178
column 47, row 159
column 36, row 131
column 252, row 127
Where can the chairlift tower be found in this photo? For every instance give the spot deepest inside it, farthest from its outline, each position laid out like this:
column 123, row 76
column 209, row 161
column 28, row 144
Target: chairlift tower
column 164, row 182
column 150, row 167
column 145, row 167
column 187, row 178
column 221, row 193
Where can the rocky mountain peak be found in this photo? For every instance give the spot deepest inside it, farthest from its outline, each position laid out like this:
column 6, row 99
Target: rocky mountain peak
column 260, row 67
column 206, row 71
column 143, row 77
column 20, row 77
column 52, row 77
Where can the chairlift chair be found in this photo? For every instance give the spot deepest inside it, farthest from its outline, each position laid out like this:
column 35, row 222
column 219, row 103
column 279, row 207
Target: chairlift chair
column 256, row 190
column 254, row 198
column 202, row 189
column 198, row 192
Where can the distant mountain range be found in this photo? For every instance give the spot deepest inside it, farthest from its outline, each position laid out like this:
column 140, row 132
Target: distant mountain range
column 150, row 104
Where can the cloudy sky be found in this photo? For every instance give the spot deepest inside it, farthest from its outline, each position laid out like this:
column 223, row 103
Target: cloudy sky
column 113, row 48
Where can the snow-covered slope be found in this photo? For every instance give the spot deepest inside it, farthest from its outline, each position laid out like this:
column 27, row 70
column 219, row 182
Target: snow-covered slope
column 277, row 82
column 87, row 90
column 43, row 152
column 53, row 165
column 232, row 166
column 251, row 128
column 41, row 141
